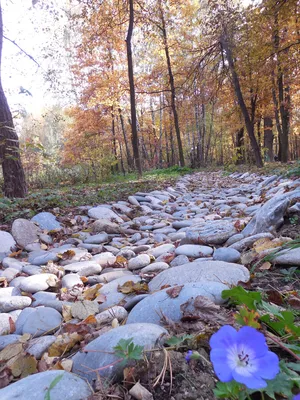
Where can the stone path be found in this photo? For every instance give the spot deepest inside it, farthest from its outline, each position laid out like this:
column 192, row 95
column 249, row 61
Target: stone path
column 194, row 234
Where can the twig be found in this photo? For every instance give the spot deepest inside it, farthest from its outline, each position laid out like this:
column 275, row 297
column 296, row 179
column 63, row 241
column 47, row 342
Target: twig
column 280, row 344
column 23, row 51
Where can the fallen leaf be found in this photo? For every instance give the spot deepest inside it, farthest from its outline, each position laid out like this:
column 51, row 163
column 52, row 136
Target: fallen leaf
column 203, row 309
column 91, row 293
column 130, row 287
column 44, row 246
column 84, row 279
column 67, row 365
column 89, row 320
column 15, row 254
column 274, row 297
column 12, row 326
column 101, row 298
column 265, row 266
column 294, row 301
column 24, row 365
column 5, row 377
column 174, row 292
column 115, row 323
column 121, row 260
column 82, row 309
column 67, row 255
column 3, row 281
column 165, row 286
column 63, row 344
column 66, row 312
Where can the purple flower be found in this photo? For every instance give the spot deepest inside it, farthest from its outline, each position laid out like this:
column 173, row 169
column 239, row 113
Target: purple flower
column 188, row 356
column 297, row 397
column 243, row 356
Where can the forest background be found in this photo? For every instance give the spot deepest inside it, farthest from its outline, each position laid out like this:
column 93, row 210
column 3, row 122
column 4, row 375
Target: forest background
column 115, row 86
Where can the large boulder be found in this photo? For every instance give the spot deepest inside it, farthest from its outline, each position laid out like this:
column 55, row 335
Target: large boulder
column 199, row 271
column 25, row 232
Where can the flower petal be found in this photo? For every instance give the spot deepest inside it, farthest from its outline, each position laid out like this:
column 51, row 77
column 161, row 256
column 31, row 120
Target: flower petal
column 220, row 363
column 251, row 381
column 268, row 366
column 225, row 337
column 253, row 339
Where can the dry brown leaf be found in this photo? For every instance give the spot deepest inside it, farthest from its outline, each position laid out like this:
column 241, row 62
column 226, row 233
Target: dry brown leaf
column 24, row 365
column 265, row 266
column 66, row 312
column 3, row 282
column 67, row 365
column 130, row 287
column 84, row 279
column 15, row 254
column 174, row 292
column 121, row 260
column 91, row 293
column 294, row 301
column 89, row 320
column 274, row 297
column 63, row 344
column 101, row 298
column 67, row 255
column 5, row 377
column 12, row 326
column 202, row 309
column 11, row 351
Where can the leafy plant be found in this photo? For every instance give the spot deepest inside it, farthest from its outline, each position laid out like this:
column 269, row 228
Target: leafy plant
column 127, row 350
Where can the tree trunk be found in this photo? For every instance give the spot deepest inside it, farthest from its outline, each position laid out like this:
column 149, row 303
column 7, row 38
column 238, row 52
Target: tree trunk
column 128, row 153
column 172, row 85
column 268, row 138
column 240, row 147
column 13, row 173
column 238, row 91
column 135, row 140
column 113, row 131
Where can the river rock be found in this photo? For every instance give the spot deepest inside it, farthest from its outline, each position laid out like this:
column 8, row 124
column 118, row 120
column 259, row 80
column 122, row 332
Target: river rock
column 25, row 232
column 105, row 225
column 288, row 257
column 14, row 303
column 194, row 250
column 247, row 242
column 213, row 232
column 35, row 283
column 153, row 307
column 47, row 221
column 97, row 239
column 42, row 320
column 146, row 335
column 38, row 346
column 138, row 262
column 7, row 242
column 102, row 212
column 160, row 250
column 227, row 254
column 155, row 267
column 67, row 386
column 199, row 271
column 84, row 268
column 107, row 316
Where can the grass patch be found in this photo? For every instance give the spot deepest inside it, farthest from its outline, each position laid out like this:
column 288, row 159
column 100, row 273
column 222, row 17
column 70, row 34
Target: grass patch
column 119, row 187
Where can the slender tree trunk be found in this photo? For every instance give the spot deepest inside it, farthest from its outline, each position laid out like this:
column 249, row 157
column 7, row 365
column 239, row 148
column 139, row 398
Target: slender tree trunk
column 268, row 138
column 240, row 147
column 135, row 140
column 238, row 91
column 13, row 173
column 128, row 153
column 113, row 130
column 172, row 85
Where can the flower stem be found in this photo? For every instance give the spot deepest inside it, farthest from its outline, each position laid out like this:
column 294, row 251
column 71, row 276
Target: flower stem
column 262, row 395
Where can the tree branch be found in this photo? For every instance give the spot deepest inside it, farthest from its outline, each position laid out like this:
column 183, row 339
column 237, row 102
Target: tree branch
column 20, row 48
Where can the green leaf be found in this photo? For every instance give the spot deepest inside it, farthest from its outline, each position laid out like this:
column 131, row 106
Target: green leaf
column 52, row 385
column 281, row 385
column 231, row 390
column 176, row 341
column 239, row 295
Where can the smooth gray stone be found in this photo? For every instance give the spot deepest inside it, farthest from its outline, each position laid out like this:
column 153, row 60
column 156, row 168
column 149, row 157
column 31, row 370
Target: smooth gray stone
column 146, row 335
column 113, row 296
column 127, row 253
column 270, row 216
column 84, row 268
column 102, row 212
column 25, row 232
column 227, row 254
column 42, row 320
column 132, row 200
column 288, row 257
column 97, row 239
column 234, row 239
column 47, row 221
column 32, row 269
column 211, row 232
column 131, row 302
column 36, row 387
column 153, row 307
column 42, row 258
column 140, row 261
column 7, row 242
column 105, row 225
column 155, row 267
column 107, row 277
column 33, row 247
column 9, row 273
column 162, row 249
column 105, row 259
column 70, row 280
column 14, row 303
column 8, row 339
column 5, row 323
column 179, row 260
column 9, row 291
column 38, row 346
column 110, row 314
column 42, row 298
column 182, row 224
column 199, row 271
column 193, row 250
column 36, row 283
column 247, row 242
column 22, row 318
column 9, row 262
column 177, row 236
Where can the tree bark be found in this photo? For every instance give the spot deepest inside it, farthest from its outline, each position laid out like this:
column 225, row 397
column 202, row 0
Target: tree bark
column 240, row 147
column 135, row 140
column 238, row 91
column 172, row 85
column 13, row 173
column 128, row 153
column 268, row 138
